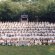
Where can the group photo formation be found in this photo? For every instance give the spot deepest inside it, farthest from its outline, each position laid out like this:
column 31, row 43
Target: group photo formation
column 27, row 27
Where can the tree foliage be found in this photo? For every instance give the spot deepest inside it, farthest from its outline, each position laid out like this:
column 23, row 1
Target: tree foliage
column 11, row 9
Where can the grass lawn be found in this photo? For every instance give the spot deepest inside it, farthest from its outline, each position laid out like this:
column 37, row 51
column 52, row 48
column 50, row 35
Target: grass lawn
column 25, row 50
